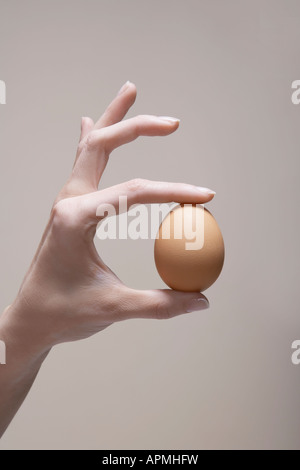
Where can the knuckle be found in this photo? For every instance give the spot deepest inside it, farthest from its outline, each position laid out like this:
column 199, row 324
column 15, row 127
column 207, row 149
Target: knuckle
column 163, row 312
column 138, row 123
column 136, row 185
column 62, row 215
column 92, row 141
column 81, row 146
column 139, row 119
column 58, row 210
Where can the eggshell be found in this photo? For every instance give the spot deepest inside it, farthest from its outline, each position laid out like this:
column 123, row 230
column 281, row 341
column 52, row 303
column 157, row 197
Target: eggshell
column 182, row 263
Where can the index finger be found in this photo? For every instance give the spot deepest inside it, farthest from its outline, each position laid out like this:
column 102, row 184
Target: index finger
column 139, row 191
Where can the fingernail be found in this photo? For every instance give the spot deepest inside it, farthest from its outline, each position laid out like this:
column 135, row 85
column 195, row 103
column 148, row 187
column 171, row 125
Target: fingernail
column 207, row 191
column 124, row 88
column 197, row 304
column 169, row 119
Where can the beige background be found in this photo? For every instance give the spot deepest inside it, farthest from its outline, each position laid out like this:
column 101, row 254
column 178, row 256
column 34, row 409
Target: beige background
column 216, row 379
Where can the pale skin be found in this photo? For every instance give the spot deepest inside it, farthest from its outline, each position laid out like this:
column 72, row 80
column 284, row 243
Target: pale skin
column 69, row 293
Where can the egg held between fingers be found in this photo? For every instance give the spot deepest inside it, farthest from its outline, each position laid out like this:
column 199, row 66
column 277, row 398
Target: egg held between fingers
column 189, row 249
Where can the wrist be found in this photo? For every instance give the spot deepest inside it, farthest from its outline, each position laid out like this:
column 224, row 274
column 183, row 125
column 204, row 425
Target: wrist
column 24, row 347
column 24, row 355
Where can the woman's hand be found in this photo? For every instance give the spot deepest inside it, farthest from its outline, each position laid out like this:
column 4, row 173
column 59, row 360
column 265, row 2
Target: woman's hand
column 69, row 293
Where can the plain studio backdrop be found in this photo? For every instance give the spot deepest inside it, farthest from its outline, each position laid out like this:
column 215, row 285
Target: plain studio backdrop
column 221, row 378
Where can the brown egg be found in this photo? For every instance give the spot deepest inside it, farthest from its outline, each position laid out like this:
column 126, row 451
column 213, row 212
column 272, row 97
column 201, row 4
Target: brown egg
column 189, row 249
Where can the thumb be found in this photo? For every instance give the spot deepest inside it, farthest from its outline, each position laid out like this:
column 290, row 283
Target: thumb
column 162, row 304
